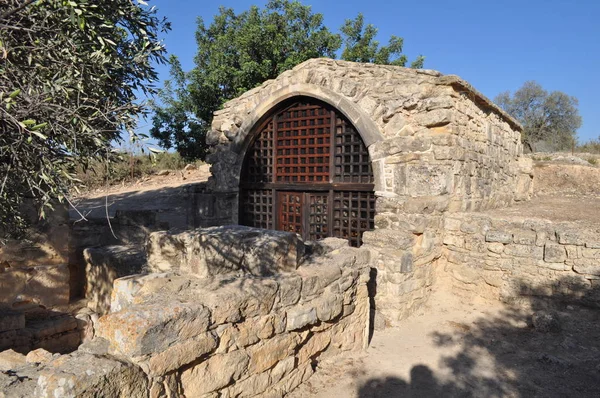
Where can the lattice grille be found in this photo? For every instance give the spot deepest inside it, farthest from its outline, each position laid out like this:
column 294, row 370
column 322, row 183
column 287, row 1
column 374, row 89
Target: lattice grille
column 353, row 214
column 257, row 205
column 290, row 212
column 352, row 162
column 259, row 163
column 298, row 171
column 318, row 216
column 303, row 142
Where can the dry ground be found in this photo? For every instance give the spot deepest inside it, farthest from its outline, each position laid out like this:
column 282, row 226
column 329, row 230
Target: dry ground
column 460, row 348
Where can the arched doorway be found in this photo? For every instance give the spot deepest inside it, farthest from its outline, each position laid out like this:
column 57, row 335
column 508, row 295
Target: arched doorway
column 307, row 170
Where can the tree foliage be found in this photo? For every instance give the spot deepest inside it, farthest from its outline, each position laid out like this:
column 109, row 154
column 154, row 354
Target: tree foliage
column 69, row 70
column 547, row 118
column 361, row 46
column 238, row 52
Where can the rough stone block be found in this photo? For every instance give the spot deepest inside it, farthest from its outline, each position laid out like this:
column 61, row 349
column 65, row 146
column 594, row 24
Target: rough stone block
column 428, row 180
column 105, row 264
column 329, row 306
column 554, row 253
column 389, row 238
column 267, row 354
column 587, row 266
column 316, row 344
column 524, row 251
column 434, row 118
column 86, row 375
column 181, row 354
column 216, row 372
column 222, row 250
column 11, row 360
column 568, row 236
column 498, row 236
column 525, row 237
column 590, row 253
column 495, row 247
column 152, row 328
column 38, row 356
column 299, row 317
column 402, row 144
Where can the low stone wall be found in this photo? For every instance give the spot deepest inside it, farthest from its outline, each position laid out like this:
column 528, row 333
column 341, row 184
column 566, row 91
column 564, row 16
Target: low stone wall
column 228, row 332
column 510, row 258
column 23, row 331
column 34, row 270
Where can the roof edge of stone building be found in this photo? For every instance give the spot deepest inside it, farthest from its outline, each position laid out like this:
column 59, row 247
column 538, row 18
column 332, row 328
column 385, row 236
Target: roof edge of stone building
column 436, row 77
column 457, row 82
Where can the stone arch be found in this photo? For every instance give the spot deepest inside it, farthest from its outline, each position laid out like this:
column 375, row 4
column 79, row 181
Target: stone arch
column 307, row 170
column 366, row 127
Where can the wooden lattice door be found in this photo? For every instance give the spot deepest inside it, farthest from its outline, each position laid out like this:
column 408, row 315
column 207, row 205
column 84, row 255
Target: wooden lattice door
column 307, row 171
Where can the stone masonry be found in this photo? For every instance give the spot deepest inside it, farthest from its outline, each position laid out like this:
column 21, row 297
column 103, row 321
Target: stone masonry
column 224, row 327
column 435, row 143
column 513, row 258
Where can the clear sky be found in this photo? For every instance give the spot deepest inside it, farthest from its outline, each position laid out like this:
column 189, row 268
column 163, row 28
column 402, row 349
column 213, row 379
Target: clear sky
column 495, row 46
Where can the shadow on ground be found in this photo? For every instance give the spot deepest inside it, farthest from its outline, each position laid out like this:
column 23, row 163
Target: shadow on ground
column 507, row 356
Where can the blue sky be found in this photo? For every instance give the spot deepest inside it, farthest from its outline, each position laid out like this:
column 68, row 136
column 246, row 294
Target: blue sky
column 495, row 46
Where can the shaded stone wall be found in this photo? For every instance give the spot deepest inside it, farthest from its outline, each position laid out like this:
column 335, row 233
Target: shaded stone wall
column 510, row 258
column 215, row 330
column 35, row 270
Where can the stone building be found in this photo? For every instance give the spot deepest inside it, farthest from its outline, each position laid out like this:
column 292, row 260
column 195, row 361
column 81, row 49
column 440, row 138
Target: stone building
column 370, row 153
column 409, row 166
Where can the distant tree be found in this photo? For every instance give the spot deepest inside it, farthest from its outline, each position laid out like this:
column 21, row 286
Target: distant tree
column 361, row 46
column 68, row 75
column 175, row 124
column 238, row 52
column 550, row 118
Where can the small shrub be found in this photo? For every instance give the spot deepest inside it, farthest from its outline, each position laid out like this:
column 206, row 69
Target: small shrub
column 593, row 161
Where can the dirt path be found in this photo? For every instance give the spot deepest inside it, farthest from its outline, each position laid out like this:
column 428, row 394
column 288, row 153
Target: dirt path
column 458, row 348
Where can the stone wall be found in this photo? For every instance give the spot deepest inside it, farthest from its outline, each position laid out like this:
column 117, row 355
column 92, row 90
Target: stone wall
column 133, row 217
column 428, row 135
column 34, row 270
column 518, row 258
column 436, row 145
column 208, row 330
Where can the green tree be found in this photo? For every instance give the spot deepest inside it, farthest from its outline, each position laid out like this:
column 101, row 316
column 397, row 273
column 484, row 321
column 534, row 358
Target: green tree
column 238, row 52
column 361, row 46
column 174, row 123
column 549, row 120
column 69, row 71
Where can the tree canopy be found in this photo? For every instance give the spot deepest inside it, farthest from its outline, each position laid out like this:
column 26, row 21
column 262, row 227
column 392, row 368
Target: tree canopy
column 361, row 46
column 238, row 52
column 69, row 71
column 550, row 120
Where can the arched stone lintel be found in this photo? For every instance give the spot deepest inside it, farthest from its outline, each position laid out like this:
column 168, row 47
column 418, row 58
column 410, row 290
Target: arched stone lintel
column 367, row 129
column 365, row 126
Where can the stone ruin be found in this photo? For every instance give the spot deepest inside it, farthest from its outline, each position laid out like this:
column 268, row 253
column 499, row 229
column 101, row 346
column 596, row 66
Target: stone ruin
column 341, row 195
